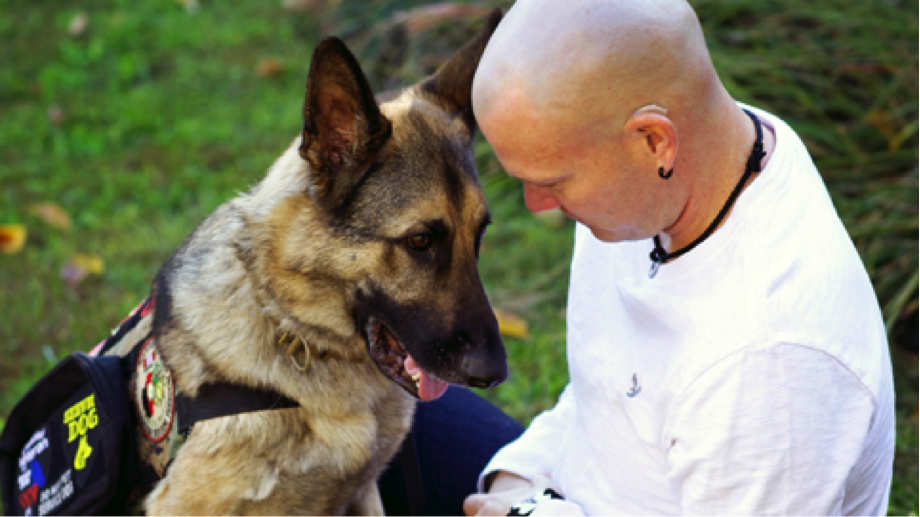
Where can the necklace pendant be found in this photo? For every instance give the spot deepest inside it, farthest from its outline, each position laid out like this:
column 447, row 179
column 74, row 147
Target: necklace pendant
column 653, row 270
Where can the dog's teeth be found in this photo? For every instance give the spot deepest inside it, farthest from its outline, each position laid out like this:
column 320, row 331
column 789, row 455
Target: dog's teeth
column 416, row 376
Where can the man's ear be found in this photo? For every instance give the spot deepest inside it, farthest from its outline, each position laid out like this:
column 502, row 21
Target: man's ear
column 451, row 87
column 343, row 128
column 655, row 134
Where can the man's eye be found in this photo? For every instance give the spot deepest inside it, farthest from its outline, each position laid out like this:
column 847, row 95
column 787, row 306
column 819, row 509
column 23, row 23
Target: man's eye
column 419, row 241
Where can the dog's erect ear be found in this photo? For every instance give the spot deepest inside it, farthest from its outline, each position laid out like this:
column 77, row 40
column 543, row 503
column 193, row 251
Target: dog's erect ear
column 343, row 128
column 452, row 85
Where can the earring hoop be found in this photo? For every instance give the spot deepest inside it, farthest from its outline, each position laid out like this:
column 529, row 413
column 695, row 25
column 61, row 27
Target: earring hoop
column 665, row 175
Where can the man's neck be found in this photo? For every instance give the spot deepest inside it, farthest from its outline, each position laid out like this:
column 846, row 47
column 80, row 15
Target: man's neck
column 716, row 162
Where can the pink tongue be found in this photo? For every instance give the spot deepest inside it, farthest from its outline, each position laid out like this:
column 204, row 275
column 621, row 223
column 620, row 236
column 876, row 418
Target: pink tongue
column 429, row 387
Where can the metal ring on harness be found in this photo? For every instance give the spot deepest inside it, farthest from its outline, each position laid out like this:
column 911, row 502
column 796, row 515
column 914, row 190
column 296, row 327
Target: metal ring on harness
column 296, row 342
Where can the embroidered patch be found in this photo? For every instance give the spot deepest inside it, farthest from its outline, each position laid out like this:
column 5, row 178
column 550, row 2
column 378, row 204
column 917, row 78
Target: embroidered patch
column 80, row 418
column 31, row 478
column 154, row 393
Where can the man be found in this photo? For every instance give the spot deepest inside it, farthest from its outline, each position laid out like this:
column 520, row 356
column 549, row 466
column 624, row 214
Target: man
column 726, row 350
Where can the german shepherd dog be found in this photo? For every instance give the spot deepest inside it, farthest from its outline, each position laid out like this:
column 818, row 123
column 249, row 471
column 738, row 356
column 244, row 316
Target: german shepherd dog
column 345, row 280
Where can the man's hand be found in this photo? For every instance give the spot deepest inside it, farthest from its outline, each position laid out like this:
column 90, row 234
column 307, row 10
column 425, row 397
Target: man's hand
column 507, row 490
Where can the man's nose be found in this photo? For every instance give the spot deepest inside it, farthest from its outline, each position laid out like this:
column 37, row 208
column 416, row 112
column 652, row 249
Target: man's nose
column 539, row 199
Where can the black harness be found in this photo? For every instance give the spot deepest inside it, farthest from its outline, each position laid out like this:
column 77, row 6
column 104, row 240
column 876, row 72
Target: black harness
column 213, row 400
column 96, row 434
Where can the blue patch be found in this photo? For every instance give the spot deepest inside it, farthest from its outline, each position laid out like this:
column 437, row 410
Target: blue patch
column 38, row 477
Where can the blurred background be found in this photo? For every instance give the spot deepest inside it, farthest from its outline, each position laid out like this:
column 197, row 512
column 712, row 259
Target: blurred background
column 125, row 123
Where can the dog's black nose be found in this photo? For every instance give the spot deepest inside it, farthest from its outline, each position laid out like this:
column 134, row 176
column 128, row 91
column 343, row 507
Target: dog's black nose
column 485, row 370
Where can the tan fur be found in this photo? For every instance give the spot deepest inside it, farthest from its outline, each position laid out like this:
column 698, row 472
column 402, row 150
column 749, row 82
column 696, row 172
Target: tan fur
column 274, row 262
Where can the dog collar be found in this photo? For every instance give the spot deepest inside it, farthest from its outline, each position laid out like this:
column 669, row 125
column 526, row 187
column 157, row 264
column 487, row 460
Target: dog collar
column 301, row 351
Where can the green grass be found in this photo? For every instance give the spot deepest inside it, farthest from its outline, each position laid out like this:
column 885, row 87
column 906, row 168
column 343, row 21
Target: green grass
column 165, row 117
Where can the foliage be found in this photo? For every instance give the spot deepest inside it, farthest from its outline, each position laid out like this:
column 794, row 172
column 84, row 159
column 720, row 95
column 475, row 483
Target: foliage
column 144, row 120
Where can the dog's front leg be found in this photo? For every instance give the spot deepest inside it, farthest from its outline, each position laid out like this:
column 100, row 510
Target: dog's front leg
column 367, row 501
column 211, row 476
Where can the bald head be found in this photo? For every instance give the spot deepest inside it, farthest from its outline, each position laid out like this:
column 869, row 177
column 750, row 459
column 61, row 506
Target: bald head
column 590, row 102
column 593, row 60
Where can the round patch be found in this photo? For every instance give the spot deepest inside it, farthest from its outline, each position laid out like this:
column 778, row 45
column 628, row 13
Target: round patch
column 154, row 393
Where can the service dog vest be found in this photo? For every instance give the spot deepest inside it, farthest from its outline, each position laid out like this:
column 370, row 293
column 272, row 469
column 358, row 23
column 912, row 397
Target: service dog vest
column 165, row 415
column 98, row 432
column 152, row 393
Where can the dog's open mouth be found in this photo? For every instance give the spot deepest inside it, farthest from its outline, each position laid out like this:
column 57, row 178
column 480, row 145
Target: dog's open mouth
column 396, row 363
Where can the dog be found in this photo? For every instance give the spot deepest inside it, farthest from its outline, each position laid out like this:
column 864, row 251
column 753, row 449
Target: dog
column 345, row 280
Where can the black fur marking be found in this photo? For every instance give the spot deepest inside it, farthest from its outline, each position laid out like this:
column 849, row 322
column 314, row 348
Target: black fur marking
column 443, row 351
column 453, row 159
column 344, row 209
column 163, row 317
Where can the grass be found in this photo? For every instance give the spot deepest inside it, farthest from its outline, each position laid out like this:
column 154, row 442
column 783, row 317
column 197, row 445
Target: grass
column 152, row 117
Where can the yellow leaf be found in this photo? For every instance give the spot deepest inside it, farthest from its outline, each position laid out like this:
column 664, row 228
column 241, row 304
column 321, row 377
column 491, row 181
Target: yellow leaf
column 91, row 263
column 79, row 267
column 51, row 213
column 510, row 324
column 12, row 238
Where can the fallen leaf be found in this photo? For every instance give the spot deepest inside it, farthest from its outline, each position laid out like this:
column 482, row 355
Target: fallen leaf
column 269, row 67
column 510, row 324
column 422, row 18
column 12, row 238
column 51, row 213
column 55, row 115
column 881, row 120
column 914, row 415
column 79, row 267
column 301, row 5
column 191, row 6
column 49, row 354
column 78, row 25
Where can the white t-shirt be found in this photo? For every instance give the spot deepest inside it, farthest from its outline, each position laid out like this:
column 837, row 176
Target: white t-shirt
column 750, row 376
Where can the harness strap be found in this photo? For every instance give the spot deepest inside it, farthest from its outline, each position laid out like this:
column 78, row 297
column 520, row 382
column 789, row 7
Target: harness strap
column 224, row 399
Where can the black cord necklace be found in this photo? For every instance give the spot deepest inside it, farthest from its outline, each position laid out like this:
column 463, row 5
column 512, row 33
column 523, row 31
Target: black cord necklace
column 659, row 255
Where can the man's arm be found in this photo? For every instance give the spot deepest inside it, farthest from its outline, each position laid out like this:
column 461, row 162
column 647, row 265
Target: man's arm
column 521, row 468
column 534, row 452
column 772, row 429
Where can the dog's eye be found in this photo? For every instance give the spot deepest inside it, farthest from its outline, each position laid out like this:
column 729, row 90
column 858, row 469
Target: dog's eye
column 419, row 241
